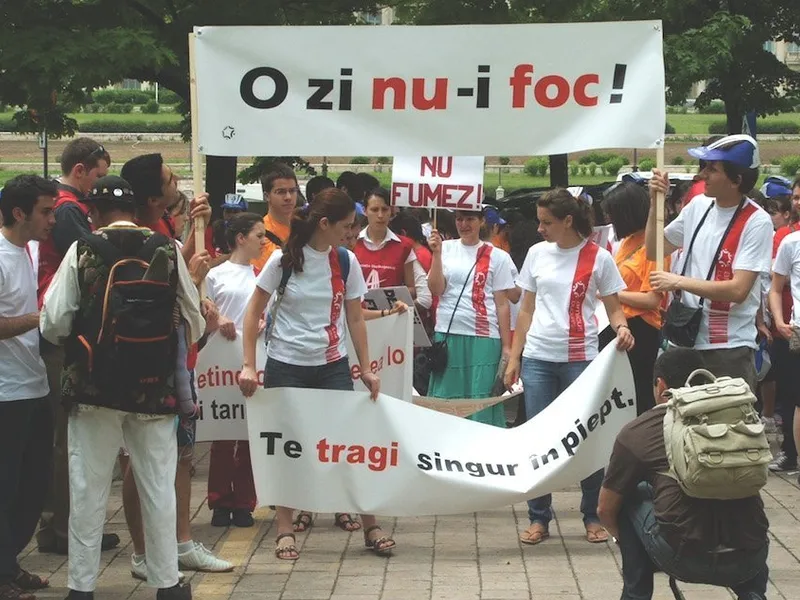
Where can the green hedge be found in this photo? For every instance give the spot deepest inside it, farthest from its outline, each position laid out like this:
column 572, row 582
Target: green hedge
column 134, row 96
column 716, row 107
column 143, row 126
column 766, row 127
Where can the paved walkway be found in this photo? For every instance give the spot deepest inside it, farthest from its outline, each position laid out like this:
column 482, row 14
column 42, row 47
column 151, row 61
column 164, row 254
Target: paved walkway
column 465, row 557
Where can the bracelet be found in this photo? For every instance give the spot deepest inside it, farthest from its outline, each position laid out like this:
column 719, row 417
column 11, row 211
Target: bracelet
column 623, row 325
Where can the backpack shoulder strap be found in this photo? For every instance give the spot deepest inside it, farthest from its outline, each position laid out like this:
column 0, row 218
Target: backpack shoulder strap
column 344, row 263
column 273, row 238
column 285, row 275
column 151, row 244
column 103, row 248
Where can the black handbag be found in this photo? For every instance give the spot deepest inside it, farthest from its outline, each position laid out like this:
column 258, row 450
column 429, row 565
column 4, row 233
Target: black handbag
column 681, row 322
column 436, row 355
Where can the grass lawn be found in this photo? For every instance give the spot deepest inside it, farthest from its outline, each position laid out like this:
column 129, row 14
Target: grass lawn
column 698, row 124
column 130, row 117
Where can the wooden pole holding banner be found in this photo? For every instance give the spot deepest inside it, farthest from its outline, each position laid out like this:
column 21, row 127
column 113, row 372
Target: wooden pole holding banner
column 197, row 167
column 660, row 214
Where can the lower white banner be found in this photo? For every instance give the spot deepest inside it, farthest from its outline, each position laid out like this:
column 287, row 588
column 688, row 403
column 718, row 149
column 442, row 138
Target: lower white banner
column 222, row 407
column 328, row 451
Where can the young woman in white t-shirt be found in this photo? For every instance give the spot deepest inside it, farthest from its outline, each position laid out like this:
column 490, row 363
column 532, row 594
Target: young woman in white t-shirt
column 307, row 346
column 231, row 491
column 556, row 335
column 471, row 279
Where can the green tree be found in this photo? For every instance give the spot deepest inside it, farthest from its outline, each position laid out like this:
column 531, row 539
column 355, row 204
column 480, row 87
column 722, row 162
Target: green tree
column 52, row 52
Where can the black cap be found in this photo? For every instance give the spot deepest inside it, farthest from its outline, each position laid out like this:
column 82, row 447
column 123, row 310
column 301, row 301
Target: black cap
column 110, row 189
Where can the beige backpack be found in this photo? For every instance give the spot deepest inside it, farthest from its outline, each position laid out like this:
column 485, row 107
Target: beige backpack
column 716, row 445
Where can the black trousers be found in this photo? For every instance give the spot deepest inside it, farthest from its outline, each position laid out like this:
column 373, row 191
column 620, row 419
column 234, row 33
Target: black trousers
column 642, row 357
column 26, row 451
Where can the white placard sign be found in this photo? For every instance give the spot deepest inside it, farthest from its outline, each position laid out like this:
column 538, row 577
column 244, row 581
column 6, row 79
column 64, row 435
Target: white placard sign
column 339, row 451
column 384, row 298
column 223, row 409
column 454, row 182
column 464, row 90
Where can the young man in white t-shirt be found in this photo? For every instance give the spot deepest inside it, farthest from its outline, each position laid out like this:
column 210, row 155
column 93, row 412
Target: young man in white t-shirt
column 26, row 420
column 732, row 247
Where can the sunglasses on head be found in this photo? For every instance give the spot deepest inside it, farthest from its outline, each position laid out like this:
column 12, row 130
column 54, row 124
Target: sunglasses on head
column 95, row 155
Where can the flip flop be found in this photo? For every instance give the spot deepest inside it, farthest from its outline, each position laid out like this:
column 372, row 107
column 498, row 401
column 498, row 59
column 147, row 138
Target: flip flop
column 286, row 551
column 596, row 535
column 535, row 534
column 345, row 522
column 302, row 521
column 382, row 546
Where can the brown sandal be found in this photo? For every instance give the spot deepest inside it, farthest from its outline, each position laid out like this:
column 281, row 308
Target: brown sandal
column 596, row 534
column 382, row 545
column 345, row 522
column 535, row 534
column 286, row 551
column 9, row 591
column 302, row 521
column 27, row 581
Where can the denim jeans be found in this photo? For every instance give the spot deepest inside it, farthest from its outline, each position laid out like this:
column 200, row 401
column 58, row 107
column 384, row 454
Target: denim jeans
column 644, row 550
column 333, row 376
column 543, row 381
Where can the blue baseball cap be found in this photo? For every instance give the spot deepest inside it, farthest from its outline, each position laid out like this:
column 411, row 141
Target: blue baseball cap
column 360, row 209
column 740, row 149
column 234, row 202
column 776, row 186
column 492, row 216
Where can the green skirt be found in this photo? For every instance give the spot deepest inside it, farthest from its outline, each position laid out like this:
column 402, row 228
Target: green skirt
column 471, row 368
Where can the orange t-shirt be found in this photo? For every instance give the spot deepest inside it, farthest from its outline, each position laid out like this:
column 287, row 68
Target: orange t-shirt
column 280, row 230
column 631, row 259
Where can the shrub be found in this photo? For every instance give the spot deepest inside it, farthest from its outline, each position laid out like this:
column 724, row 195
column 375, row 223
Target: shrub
column 92, row 108
column 122, row 96
column 167, row 97
column 574, row 168
column 669, row 128
column 716, row 107
column 718, row 127
column 119, row 109
column 613, row 165
column 582, row 169
column 676, row 110
column 150, row 108
column 359, row 160
column 647, row 164
column 504, row 160
column 597, row 157
column 790, row 165
column 537, row 166
column 383, row 160
column 678, row 160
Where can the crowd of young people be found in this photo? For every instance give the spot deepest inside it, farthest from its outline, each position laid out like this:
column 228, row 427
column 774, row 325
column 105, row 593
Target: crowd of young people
column 506, row 299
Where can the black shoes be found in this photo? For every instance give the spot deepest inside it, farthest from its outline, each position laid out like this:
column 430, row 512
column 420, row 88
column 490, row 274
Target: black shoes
column 73, row 595
column 242, row 518
column 59, row 545
column 221, row 517
column 176, row 592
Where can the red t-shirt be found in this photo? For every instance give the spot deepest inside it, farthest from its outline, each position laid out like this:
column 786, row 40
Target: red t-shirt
column 385, row 267
column 424, row 257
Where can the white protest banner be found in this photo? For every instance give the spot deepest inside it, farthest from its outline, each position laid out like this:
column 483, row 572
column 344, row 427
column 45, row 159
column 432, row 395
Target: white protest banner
column 338, row 451
column 450, row 92
column 438, row 182
column 384, row 298
column 222, row 407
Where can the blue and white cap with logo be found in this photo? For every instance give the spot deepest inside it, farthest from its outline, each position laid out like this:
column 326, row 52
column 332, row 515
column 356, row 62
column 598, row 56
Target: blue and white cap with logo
column 740, row 149
column 776, row 186
column 234, row 202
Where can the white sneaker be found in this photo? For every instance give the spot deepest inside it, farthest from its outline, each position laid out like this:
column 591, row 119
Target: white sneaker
column 139, row 568
column 769, row 425
column 200, row 558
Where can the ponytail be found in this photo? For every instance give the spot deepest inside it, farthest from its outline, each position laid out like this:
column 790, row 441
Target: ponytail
column 563, row 204
column 331, row 204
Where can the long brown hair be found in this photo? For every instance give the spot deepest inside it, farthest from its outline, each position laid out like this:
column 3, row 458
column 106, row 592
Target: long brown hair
column 563, row 204
column 332, row 204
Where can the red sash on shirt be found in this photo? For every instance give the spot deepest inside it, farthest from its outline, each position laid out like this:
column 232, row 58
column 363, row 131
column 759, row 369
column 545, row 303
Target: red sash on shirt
column 479, row 291
column 719, row 312
column 332, row 354
column 580, row 286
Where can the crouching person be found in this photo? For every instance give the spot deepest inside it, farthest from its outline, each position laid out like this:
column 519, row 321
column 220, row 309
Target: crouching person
column 114, row 303
column 659, row 527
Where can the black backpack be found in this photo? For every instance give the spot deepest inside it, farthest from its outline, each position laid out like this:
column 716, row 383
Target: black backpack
column 128, row 338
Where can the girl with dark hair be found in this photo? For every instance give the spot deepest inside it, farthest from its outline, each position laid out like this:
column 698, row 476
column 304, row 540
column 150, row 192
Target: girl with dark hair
column 556, row 333
column 472, row 280
column 386, row 259
column 307, row 345
column 627, row 206
column 231, row 492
